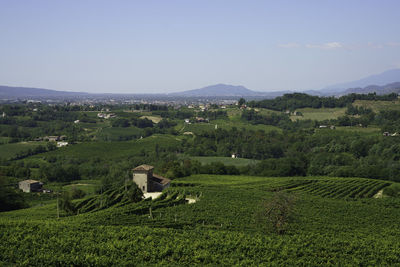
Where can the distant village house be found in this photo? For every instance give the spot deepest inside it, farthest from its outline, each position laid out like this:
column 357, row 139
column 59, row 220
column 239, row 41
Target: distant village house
column 28, row 186
column 53, row 138
column 201, row 119
column 106, row 116
column 61, row 144
column 147, row 181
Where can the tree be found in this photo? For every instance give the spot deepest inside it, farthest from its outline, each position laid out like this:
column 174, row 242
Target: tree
column 10, row 199
column 276, row 213
column 66, row 204
column 133, row 193
column 241, row 102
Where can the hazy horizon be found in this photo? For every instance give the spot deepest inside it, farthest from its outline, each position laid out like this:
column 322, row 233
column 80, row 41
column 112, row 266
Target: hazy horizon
column 164, row 47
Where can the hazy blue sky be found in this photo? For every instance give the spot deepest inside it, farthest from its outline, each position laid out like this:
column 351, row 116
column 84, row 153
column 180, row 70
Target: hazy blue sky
column 167, row 45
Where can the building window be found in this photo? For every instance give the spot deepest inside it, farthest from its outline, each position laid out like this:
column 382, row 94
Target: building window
column 144, row 188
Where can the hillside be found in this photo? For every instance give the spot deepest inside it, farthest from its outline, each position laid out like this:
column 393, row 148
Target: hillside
column 15, row 92
column 337, row 221
column 341, row 180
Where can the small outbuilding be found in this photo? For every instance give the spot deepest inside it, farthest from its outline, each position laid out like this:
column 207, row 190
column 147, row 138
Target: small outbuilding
column 147, row 181
column 61, row 144
column 28, row 186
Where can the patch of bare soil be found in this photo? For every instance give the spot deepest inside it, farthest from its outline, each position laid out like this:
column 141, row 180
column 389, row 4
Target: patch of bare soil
column 379, row 194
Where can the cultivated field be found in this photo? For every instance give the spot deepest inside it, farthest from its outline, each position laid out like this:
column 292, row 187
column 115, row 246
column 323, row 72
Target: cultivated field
column 319, row 114
column 11, row 150
column 225, row 160
column 336, row 222
column 377, row 106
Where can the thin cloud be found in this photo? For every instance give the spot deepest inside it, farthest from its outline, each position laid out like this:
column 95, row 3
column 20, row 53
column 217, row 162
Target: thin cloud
column 393, row 44
column 339, row 45
column 326, row 46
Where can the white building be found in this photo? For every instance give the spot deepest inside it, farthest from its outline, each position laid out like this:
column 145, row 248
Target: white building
column 61, row 144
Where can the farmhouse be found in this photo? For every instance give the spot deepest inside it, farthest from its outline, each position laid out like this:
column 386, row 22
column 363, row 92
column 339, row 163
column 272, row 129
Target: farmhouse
column 30, row 186
column 201, row 119
column 54, row 138
column 147, row 181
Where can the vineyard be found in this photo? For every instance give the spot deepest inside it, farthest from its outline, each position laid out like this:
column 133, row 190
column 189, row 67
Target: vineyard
column 337, row 222
column 341, row 188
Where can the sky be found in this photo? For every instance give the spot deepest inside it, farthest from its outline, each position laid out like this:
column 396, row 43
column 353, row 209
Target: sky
column 129, row 46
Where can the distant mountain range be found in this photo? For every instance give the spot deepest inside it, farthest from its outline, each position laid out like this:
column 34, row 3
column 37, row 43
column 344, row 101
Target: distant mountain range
column 384, row 78
column 23, row 92
column 380, row 90
column 384, row 83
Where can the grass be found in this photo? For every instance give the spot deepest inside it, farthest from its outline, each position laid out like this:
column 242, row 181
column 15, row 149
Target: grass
column 319, row 114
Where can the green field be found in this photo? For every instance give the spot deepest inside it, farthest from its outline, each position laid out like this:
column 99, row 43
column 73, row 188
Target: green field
column 88, row 186
column 4, row 140
column 319, row 114
column 112, row 150
column 227, row 125
column 365, row 130
column 155, row 119
column 377, row 106
column 11, row 150
column 336, row 222
column 225, row 160
column 119, row 133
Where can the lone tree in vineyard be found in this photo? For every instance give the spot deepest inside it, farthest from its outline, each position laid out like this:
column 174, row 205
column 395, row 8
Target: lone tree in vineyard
column 277, row 212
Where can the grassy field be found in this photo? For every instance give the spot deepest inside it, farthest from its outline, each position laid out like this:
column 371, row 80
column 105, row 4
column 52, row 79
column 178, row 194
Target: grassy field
column 11, row 150
column 331, row 226
column 368, row 130
column 155, row 119
column 119, row 133
column 90, row 187
column 377, row 106
column 113, row 150
column 227, row 125
column 225, row 160
column 4, row 140
column 319, row 114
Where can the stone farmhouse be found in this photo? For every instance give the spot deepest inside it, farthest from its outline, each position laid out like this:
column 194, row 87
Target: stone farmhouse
column 147, row 181
column 28, row 186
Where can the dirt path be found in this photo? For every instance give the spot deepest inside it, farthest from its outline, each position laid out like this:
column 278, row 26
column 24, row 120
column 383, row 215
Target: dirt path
column 379, row 194
column 190, row 200
column 153, row 195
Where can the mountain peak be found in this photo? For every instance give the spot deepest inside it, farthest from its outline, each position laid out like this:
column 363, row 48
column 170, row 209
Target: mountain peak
column 219, row 90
